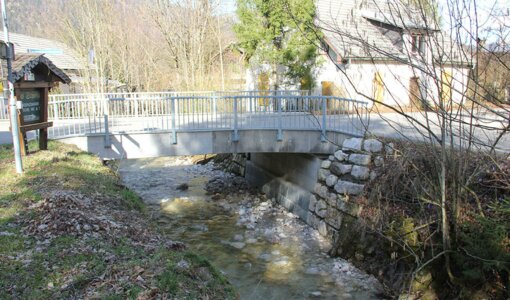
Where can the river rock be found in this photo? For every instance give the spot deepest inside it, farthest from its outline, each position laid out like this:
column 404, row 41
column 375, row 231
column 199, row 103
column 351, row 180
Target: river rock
column 372, row 146
column 331, row 158
column 312, row 271
column 360, row 173
column 346, row 187
column 340, row 169
column 265, row 257
column 238, row 245
column 340, row 155
column 352, row 144
column 360, row 159
column 325, row 164
column 331, row 180
column 373, row 175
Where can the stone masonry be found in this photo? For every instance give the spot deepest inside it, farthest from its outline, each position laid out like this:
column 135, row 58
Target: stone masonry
column 341, row 178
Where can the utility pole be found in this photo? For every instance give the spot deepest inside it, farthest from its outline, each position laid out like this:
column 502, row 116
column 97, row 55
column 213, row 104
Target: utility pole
column 221, row 54
column 12, row 101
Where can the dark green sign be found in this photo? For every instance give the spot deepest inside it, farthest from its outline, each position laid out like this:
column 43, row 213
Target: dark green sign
column 31, row 99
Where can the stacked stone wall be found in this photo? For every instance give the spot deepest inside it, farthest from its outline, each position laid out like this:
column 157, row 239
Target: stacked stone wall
column 342, row 177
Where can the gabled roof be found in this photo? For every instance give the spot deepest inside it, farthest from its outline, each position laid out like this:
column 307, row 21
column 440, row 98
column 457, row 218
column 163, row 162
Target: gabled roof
column 27, row 61
column 350, row 33
column 60, row 54
column 372, row 29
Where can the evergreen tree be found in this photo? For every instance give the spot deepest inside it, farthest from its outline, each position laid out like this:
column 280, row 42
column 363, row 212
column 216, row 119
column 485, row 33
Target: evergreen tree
column 280, row 33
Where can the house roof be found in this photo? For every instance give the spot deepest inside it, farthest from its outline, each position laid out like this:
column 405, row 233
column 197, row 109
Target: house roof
column 349, row 33
column 60, row 54
column 27, row 61
column 371, row 29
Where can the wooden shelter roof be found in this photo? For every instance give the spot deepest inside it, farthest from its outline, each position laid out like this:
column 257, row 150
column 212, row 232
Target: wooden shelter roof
column 25, row 62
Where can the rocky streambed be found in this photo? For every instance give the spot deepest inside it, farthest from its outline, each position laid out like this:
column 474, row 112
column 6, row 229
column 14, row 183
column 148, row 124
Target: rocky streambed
column 266, row 252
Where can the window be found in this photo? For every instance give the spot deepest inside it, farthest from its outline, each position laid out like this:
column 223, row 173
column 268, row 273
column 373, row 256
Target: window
column 332, row 55
column 418, row 44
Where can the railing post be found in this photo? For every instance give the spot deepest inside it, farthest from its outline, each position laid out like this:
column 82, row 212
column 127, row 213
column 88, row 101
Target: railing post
column 215, row 104
column 172, row 108
column 135, row 99
column 55, row 109
column 324, row 108
column 235, row 135
column 279, row 136
column 106, row 109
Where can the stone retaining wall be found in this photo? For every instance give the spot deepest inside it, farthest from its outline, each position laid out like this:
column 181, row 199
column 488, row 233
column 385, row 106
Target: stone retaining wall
column 341, row 178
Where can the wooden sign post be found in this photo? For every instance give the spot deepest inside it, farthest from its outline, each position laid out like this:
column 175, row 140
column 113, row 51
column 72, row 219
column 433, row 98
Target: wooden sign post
column 34, row 75
column 34, row 113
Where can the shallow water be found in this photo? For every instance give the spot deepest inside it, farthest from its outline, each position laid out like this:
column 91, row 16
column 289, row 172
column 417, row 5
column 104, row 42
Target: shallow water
column 265, row 252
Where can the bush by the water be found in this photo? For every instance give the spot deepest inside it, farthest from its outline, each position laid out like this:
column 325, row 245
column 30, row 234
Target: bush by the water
column 403, row 207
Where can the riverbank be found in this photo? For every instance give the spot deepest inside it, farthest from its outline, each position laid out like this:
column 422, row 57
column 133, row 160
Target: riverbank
column 70, row 229
column 266, row 252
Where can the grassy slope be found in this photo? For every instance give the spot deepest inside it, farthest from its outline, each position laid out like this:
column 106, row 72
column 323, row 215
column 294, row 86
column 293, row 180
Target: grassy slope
column 68, row 265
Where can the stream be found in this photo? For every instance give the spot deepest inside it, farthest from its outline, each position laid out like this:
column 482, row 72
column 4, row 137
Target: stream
column 265, row 252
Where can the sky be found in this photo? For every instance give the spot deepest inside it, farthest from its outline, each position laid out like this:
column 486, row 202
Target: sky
column 227, row 6
column 493, row 16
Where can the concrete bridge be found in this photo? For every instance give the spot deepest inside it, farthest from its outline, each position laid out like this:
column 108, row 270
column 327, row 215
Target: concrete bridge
column 137, row 125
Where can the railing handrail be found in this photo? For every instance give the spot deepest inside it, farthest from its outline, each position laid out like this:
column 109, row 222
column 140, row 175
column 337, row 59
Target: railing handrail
column 191, row 97
column 181, row 92
column 135, row 112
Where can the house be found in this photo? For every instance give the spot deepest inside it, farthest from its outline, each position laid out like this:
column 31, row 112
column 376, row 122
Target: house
column 389, row 52
column 32, row 74
column 61, row 56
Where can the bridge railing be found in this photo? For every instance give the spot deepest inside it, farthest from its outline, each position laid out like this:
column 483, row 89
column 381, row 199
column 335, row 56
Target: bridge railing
column 3, row 109
column 149, row 112
column 76, row 106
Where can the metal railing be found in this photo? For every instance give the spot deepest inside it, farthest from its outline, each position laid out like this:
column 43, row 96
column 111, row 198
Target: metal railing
column 173, row 112
column 3, row 109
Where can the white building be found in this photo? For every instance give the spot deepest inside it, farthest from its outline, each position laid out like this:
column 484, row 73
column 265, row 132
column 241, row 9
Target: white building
column 389, row 52
column 385, row 51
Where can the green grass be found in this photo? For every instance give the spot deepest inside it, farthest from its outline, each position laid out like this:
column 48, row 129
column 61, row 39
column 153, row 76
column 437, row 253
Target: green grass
column 68, row 266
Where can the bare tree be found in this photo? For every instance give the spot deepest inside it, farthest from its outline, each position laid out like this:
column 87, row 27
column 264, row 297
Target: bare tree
column 432, row 73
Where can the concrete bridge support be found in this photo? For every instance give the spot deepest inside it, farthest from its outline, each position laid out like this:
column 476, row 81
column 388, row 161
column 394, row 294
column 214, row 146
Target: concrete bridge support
column 290, row 178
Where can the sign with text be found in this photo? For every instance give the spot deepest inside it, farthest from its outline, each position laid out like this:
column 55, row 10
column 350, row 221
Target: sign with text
column 31, row 99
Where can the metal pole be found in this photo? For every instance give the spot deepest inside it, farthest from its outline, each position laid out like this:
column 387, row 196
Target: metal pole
column 235, row 137
column 12, row 100
column 324, row 112
column 279, row 136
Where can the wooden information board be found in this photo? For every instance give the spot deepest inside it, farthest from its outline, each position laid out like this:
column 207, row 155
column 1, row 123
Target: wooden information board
column 32, row 104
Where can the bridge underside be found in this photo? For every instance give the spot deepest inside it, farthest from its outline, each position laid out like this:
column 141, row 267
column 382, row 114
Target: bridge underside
column 145, row 145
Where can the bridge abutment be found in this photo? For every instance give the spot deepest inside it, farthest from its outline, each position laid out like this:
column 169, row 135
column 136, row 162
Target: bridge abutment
column 322, row 190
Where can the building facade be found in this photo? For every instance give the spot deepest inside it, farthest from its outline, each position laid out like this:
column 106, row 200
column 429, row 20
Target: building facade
column 388, row 52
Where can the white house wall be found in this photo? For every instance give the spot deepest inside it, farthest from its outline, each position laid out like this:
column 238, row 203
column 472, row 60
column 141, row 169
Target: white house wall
column 356, row 80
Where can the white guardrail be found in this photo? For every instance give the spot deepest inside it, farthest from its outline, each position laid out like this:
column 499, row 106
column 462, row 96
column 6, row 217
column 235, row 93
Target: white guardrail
column 3, row 109
column 82, row 114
